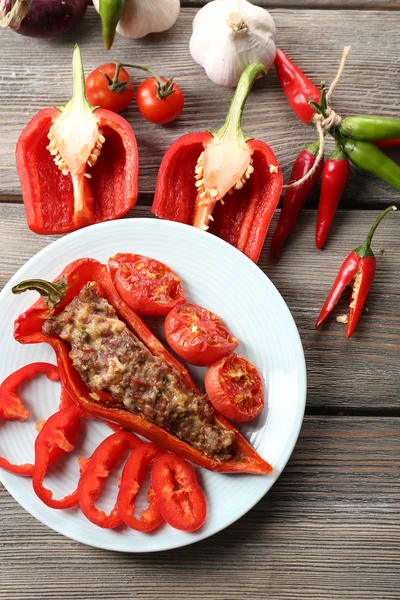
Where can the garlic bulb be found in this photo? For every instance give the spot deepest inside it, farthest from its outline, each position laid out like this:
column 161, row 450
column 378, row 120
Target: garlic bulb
column 141, row 17
column 228, row 35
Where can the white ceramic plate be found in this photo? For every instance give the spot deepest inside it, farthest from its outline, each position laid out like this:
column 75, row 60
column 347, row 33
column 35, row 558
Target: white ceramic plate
column 215, row 275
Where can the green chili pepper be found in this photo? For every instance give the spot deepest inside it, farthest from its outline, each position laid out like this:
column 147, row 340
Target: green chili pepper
column 110, row 13
column 369, row 158
column 369, row 128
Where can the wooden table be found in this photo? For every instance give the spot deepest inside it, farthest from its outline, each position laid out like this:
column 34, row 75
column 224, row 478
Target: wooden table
column 330, row 526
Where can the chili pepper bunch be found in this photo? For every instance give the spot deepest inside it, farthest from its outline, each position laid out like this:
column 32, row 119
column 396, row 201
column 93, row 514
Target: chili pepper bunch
column 183, row 508
column 353, row 137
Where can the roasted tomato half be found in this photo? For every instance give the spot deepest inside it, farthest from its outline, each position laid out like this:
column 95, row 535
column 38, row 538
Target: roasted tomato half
column 147, row 286
column 197, row 335
column 234, row 387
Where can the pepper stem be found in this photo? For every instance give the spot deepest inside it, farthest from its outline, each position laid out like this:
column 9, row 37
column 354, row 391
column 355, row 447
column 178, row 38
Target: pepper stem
column 365, row 251
column 163, row 88
column 78, row 103
column 52, row 293
column 233, row 119
column 375, row 225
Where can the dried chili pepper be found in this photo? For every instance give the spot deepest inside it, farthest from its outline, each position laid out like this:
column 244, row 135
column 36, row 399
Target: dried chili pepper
column 58, row 435
column 295, row 197
column 334, row 178
column 297, row 87
column 136, row 467
column 221, row 182
column 95, row 473
column 12, row 409
column 358, row 271
column 181, row 499
column 28, row 329
column 54, row 153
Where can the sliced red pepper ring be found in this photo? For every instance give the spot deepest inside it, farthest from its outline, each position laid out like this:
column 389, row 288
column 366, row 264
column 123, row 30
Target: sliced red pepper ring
column 57, row 437
column 95, row 472
column 135, row 470
column 12, row 409
column 181, row 499
column 358, row 271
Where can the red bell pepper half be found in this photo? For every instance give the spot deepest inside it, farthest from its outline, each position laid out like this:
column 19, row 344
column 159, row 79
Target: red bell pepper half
column 12, row 409
column 57, row 436
column 181, row 499
column 221, row 181
column 138, row 464
column 357, row 271
column 94, row 475
column 28, row 330
column 78, row 165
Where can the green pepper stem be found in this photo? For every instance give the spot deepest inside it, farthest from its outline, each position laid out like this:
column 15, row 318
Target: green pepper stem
column 233, row 119
column 313, row 147
column 375, row 225
column 78, row 102
column 52, row 293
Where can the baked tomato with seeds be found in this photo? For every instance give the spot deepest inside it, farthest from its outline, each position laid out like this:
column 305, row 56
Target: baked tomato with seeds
column 146, row 285
column 234, row 387
column 197, row 335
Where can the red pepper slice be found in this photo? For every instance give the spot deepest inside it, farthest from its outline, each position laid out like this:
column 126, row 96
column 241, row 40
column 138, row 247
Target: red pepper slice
column 135, row 469
column 358, row 271
column 28, row 330
column 220, row 181
column 297, row 87
column 95, row 473
column 58, row 435
column 182, row 502
column 63, row 196
column 295, row 197
column 12, row 409
column 334, row 178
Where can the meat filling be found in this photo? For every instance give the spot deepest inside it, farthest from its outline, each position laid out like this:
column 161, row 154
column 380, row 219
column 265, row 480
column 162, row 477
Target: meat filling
column 110, row 358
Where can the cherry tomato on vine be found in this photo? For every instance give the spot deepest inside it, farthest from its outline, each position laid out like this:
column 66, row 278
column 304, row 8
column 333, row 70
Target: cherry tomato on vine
column 103, row 91
column 197, row 335
column 159, row 104
column 147, row 286
column 234, row 387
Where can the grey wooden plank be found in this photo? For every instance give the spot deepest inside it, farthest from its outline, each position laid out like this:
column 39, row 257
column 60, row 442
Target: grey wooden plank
column 316, row 4
column 360, row 374
column 329, row 529
column 36, row 74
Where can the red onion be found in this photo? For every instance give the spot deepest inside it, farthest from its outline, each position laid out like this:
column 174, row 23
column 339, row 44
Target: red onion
column 41, row 18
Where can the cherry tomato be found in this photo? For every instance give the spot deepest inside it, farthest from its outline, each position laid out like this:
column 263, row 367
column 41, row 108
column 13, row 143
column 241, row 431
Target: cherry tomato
column 146, row 285
column 155, row 110
column 197, row 335
column 99, row 93
column 180, row 497
column 234, row 387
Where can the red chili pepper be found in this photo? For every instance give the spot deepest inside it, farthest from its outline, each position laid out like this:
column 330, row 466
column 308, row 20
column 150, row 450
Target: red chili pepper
column 135, row 470
column 12, row 409
column 393, row 143
column 295, row 198
column 28, row 329
column 54, row 153
column 181, row 499
column 358, row 271
column 95, row 472
column 57, row 436
column 221, row 182
column 334, row 178
column 297, row 87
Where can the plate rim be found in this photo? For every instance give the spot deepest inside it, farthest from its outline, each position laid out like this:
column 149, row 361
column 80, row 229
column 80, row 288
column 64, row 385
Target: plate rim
column 302, row 386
